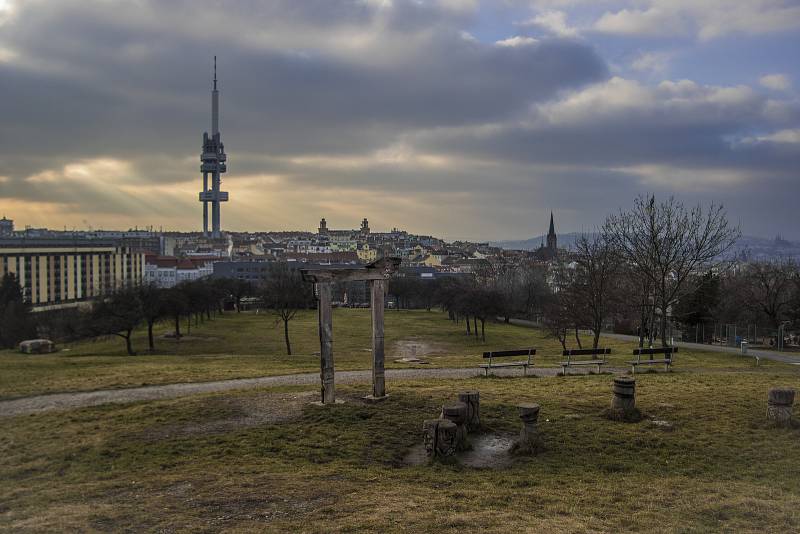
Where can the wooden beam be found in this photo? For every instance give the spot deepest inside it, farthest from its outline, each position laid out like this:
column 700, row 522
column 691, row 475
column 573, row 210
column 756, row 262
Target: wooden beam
column 326, row 344
column 377, row 270
column 377, row 291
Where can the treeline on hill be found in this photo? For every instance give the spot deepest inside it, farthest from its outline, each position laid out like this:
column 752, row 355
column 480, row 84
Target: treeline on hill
column 656, row 256
column 124, row 310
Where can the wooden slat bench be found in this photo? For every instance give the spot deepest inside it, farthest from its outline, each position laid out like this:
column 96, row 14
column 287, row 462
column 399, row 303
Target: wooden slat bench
column 667, row 360
column 506, row 353
column 569, row 353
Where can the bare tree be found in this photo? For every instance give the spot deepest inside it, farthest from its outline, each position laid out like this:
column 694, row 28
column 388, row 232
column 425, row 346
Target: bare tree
column 665, row 243
column 596, row 264
column 119, row 313
column 561, row 311
column 768, row 289
column 531, row 290
column 152, row 299
column 284, row 293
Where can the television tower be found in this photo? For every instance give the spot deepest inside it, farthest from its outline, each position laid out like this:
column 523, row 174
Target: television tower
column 213, row 158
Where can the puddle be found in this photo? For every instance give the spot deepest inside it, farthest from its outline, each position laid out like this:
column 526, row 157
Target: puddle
column 489, row 451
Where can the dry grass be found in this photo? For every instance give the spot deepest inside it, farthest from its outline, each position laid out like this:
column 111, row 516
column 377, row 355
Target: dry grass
column 250, row 345
column 202, row 464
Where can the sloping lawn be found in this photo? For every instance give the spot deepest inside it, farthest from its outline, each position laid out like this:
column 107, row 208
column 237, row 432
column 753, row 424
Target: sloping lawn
column 250, row 345
column 267, row 460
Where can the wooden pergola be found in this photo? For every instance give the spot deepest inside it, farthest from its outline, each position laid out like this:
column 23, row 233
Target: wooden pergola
column 376, row 273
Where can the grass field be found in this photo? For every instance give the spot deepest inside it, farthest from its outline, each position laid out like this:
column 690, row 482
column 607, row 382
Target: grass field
column 249, row 345
column 268, row 460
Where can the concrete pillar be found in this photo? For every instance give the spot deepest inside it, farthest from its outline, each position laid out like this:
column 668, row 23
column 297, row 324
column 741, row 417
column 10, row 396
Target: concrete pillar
column 205, row 204
column 326, row 343
column 377, row 291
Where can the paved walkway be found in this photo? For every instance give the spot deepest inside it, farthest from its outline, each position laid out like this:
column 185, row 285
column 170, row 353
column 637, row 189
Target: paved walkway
column 65, row 401
column 752, row 353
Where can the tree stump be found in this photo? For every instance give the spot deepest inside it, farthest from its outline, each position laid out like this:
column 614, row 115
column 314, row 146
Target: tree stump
column 440, row 436
column 457, row 413
column 473, row 401
column 779, row 406
column 530, row 442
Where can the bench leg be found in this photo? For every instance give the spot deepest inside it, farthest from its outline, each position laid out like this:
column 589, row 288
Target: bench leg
column 524, row 370
column 633, row 369
column 486, row 372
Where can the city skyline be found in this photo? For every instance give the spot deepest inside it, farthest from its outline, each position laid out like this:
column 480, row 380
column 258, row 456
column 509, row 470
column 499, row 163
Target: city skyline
column 461, row 119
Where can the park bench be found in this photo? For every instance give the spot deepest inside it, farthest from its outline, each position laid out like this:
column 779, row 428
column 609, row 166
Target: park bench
column 668, row 353
column 597, row 362
column 507, row 353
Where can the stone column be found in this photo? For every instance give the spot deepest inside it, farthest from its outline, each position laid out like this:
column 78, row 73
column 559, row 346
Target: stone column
column 326, row 343
column 377, row 290
column 779, row 406
column 440, row 437
column 624, row 394
column 457, row 413
column 472, row 400
column 529, row 440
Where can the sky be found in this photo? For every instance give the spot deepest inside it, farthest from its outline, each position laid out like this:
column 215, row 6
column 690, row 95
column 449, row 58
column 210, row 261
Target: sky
column 464, row 119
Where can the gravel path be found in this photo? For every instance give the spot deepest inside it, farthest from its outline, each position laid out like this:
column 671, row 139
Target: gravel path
column 65, row 401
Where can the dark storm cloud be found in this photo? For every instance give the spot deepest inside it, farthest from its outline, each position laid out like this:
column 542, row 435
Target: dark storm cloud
column 104, row 83
column 388, row 98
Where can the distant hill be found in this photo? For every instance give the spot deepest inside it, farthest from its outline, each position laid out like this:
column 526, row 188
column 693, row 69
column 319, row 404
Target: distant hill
column 564, row 241
column 749, row 247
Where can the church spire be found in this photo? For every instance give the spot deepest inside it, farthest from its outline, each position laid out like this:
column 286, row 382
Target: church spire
column 552, row 240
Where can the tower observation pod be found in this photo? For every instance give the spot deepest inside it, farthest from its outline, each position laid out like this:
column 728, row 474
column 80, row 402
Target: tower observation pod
column 213, row 160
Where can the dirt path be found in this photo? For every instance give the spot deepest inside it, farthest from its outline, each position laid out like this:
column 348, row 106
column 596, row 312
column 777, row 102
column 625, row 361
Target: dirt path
column 66, row 401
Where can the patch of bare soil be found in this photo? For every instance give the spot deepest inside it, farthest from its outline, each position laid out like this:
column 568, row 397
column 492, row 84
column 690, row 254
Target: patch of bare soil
column 245, row 412
column 411, row 350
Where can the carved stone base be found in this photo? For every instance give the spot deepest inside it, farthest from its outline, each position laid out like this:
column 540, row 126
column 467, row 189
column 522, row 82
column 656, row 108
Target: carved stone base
column 530, row 442
column 320, row 403
column 457, row 413
column 779, row 406
column 624, row 394
column 472, row 399
column 440, row 437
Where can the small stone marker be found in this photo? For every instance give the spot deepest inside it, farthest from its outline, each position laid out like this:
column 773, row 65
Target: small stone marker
column 624, row 394
column 440, row 437
column 37, row 346
column 457, row 413
column 530, row 441
column 779, row 406
column 472, row 400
